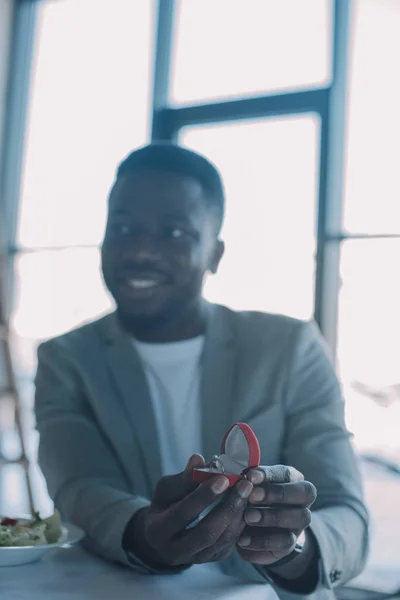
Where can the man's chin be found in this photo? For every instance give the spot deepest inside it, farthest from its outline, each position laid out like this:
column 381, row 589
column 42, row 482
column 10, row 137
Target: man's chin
column 142, row 310
column 143, row 316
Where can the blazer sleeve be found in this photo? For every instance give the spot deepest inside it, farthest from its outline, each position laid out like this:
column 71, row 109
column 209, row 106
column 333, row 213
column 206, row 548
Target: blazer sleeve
column 318, row 444
column 83, row 477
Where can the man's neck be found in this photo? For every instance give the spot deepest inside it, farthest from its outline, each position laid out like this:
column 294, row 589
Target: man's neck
column 189, row 325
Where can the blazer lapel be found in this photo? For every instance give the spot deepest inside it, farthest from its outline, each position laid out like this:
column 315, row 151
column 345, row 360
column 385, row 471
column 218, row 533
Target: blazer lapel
column 218, row 382
column 130, row 380
column 217, row 394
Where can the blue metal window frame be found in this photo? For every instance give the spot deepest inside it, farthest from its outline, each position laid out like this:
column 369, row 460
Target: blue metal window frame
column 328, row 102
column 20, row 66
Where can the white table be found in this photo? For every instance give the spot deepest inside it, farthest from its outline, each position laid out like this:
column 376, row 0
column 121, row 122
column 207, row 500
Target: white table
column 75, row 574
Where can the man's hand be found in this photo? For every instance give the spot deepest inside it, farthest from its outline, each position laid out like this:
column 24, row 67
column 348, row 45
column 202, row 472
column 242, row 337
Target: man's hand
column 280, row 513
column 158, row 535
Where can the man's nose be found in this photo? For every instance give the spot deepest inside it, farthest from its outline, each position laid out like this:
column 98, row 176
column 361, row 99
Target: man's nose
column 142, row 247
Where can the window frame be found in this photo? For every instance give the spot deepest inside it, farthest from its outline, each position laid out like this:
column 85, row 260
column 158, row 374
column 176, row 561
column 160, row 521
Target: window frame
column 328, row 101
column 166, row 121
column 19, row 70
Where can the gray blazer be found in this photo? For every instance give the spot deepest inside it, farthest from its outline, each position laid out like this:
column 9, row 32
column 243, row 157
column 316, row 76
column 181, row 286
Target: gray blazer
column 98, row 443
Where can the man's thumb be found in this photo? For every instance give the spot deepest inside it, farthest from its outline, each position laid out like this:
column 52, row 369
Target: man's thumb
column 196, row 460
column 173, row 488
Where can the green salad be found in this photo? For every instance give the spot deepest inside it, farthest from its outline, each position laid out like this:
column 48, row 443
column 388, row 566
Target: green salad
column 36, row 532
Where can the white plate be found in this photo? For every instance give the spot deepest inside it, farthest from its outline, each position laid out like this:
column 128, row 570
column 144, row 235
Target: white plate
column 22, row 555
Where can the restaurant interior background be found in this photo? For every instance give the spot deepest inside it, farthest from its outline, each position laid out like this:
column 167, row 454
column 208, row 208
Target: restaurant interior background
column 296, row 101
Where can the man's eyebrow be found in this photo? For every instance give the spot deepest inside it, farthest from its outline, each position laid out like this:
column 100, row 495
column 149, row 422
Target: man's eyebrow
column 119, row 212
column 176, row 216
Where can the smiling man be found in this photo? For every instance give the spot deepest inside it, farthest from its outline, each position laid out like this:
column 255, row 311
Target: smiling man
column 125, row 404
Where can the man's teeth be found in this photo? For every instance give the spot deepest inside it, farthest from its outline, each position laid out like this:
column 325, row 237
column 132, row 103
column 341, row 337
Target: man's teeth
column 141, row 284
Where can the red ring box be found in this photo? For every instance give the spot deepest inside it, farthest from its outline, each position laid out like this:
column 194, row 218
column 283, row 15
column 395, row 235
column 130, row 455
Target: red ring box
column 240, row 451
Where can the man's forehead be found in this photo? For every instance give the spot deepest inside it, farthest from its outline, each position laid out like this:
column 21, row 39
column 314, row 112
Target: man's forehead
column 156, row 185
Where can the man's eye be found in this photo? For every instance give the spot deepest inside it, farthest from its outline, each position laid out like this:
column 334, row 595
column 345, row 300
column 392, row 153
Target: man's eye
column 175, row 233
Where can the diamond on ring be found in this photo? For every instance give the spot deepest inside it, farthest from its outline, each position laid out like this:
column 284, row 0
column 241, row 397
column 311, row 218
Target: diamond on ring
column 217, row 464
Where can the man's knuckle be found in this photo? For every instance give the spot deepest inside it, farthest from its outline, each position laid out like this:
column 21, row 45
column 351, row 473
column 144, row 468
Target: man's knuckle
column 276, row 517
column 280, row 474
column 287, row 540
column 281, row 542
column 306, row 517
column 279, row 493
column 268, row 543
column 310, row 492
column 287, row 474
column 208, row 537
column 269, row 473
column 231, row 535
column 161, row 487
column 234, row 505
column 274, row 473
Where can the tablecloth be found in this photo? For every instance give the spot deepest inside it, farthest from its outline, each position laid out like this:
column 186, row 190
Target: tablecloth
column 75, row 574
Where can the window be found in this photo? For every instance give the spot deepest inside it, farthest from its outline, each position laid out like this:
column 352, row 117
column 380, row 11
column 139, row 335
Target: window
column 89, row 108
column 372, row 188
column 369, row 342
column 235, row 48
column 269, row 168
column 369, row 318
column 369, row 300
column 55, row 290
column 368, row 360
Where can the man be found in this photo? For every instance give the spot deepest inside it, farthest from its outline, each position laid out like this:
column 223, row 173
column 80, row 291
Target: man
column 128, row 399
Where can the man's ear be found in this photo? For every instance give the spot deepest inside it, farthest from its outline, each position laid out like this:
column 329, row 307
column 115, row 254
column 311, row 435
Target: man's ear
column 218, row 254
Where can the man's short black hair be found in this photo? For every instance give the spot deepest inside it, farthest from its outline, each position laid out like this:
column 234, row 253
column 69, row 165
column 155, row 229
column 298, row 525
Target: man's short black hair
column 176, row 159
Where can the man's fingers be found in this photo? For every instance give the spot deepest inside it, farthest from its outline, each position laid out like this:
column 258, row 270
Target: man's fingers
column 293, row 519
column 274, row 474
column 207, row 555
column 260, row 540
column 174, row 519
column 173, row 488
column 218, row 530
column 257, row 557
column 300, row 494
column 195, row 461
column 231, row 509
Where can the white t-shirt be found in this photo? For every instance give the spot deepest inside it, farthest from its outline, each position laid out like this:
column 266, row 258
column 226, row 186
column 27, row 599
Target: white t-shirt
column 173, row 373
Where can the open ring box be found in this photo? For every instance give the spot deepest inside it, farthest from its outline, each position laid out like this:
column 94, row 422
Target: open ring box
column 240, row 452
